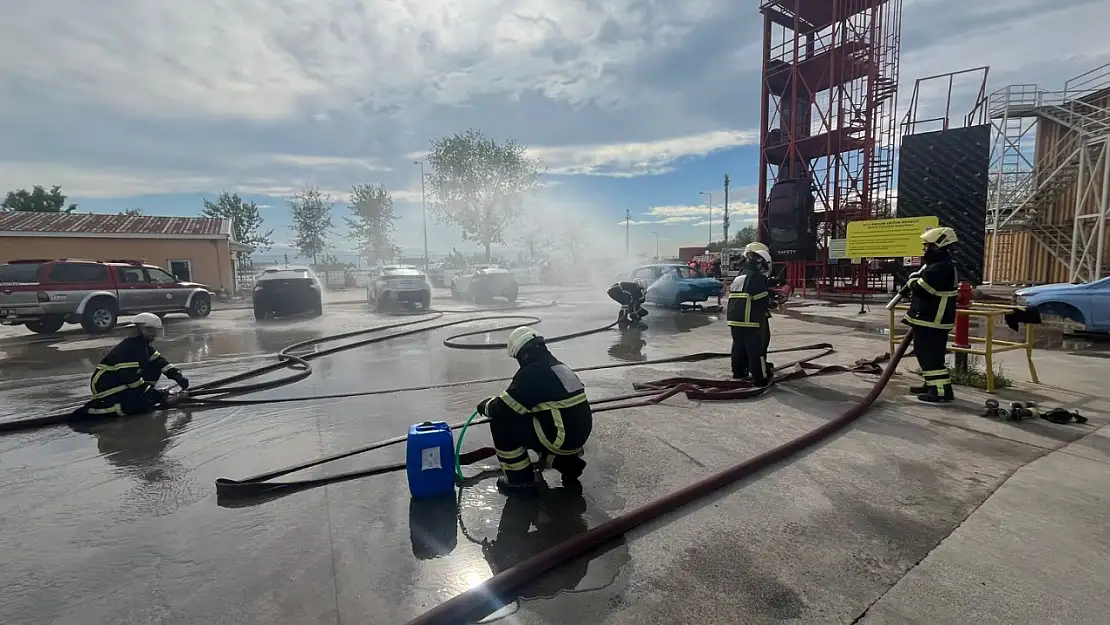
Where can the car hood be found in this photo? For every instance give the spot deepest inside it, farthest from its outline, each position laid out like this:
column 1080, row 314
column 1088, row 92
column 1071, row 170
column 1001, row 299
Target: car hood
column 195, row 285
column 1049, row 288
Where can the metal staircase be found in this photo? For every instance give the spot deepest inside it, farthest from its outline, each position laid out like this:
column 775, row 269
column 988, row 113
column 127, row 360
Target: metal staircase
column 1026, row 191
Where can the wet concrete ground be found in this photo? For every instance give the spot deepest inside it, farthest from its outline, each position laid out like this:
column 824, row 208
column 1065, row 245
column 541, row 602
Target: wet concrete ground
column 119, row 523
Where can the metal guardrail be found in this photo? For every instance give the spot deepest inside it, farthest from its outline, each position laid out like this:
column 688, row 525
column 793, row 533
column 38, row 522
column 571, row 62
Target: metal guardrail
column 990, row 345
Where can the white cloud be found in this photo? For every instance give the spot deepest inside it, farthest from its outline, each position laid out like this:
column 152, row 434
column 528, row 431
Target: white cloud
column 627, row 160
column 694, row 214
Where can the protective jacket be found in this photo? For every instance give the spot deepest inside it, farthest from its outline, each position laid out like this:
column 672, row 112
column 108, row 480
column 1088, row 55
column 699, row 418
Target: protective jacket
column 933, row 295
column 749, row 299
column 551, row 395
column 123, row 382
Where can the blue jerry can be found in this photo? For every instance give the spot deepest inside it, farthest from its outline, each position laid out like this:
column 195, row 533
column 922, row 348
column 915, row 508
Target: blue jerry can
column 430, row 459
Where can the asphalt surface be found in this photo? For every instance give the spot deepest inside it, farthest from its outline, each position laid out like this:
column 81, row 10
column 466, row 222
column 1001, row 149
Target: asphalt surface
column 119, row 523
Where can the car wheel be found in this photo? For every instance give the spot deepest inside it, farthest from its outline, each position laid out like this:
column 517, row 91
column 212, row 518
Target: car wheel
column 100, row 316
column 426, row 300
column 200, row 307
column 512, row 293
column 318, row 309
column 454, row 291
column 46, row 325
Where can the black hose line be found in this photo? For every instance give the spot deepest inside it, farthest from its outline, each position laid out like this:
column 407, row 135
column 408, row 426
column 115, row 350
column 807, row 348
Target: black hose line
column 219, row 392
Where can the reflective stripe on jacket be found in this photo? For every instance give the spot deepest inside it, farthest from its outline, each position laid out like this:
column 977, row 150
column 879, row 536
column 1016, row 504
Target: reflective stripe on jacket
column 749, row 299
column 933, row 296
column 544, row 388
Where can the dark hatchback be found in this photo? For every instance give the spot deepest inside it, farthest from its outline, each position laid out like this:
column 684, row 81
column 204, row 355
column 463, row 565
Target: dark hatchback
column 289, row 291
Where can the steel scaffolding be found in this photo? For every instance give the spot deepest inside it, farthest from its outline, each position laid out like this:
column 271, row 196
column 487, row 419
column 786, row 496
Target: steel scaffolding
column 1051, row 172
column 830, row 83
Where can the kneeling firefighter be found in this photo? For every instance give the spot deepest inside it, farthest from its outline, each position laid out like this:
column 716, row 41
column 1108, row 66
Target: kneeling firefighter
column 933, row 292
column 123, row 383
column 544, row 410
column 630, row 295
column 749, row 301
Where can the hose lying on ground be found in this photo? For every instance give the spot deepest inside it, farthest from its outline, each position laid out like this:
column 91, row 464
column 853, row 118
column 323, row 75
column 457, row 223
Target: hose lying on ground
column 483, row 599
column 648, row 394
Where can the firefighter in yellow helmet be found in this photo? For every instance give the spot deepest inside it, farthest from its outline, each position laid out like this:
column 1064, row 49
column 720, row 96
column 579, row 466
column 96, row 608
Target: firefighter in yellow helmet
column 749, row 300
column 544, row 410
column 933, row 291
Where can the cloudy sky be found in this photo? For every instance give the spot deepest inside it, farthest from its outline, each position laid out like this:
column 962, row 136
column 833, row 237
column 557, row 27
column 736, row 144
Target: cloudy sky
column 634, row 105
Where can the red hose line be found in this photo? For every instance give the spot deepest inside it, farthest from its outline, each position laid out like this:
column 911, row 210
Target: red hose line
column 477, row 602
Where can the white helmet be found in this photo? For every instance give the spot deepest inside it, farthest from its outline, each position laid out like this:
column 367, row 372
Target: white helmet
column 759, row 250
column 148, row 323
column 519, row 338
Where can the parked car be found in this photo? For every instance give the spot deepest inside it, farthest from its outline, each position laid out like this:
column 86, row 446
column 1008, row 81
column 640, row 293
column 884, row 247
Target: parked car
column 44, row 295
column 397, row 284
column 287, row 291
column 1078, row 306
column 672, row 285
column 483, row 282
column 437, row 275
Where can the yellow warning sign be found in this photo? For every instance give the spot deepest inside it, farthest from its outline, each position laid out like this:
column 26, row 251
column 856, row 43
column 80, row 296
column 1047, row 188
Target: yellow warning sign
column 887, row 238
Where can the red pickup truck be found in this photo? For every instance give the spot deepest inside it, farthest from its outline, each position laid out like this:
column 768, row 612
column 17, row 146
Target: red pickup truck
column 46, row 294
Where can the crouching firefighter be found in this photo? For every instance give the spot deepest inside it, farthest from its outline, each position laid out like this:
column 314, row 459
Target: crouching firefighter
column 933, row 293
column 630, row 295
column 123, row 382
column 544, row 410
column 749, row 301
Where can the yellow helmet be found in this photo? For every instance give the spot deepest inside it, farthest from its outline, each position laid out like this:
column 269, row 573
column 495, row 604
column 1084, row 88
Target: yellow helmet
column 755, row 247
column 940, row 237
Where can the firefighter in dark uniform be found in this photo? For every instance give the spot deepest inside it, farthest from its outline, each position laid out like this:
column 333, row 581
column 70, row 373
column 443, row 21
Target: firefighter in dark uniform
column 630, row 295
column 123, row 383
column 933, row 291
column 544, row 410
column 749, row 301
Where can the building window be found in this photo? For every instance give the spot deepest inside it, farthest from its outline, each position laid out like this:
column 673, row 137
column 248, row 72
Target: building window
column 78, row 273
column 182, row 270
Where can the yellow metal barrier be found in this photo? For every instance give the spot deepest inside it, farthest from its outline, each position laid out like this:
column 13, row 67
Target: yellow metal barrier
column 991, row 346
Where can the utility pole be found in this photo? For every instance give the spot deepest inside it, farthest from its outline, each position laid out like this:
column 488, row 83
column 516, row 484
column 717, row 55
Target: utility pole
column 724, row 223
column 423, row 211
column 656, row 245
column 627, row 227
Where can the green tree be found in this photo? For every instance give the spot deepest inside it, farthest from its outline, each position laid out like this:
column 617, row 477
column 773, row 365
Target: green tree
column 132, row 212
column 371, row 222
column 37, row 200
column 246, row 221
column 744, row 236
column 311, row 210
column 480, row 184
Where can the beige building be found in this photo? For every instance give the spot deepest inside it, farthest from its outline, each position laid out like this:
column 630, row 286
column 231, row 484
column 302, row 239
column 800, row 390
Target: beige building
column 195, row 249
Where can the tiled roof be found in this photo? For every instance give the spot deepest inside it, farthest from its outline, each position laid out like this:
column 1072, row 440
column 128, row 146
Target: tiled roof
column 85, row 223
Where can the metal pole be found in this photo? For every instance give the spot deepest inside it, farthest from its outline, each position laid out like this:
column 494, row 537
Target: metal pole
column 1104, row 207
column 423, row 211
column 656, row 245
column 709, row 199
column 724, row 224
column 1080, row 197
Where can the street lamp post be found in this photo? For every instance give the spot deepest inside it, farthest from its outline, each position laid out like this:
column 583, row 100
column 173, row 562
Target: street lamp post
column 656, row 245
column 709, row 200
column 423, row 211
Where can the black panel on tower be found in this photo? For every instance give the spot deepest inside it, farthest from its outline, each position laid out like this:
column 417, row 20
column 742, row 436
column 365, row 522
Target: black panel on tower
column 946, row 174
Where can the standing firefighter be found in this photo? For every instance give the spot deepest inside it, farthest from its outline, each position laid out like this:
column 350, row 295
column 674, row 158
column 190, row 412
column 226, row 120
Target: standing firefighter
column 123, row 383
column 749, row 301
column 630, row 295
column 544, row 410
column 933, row 293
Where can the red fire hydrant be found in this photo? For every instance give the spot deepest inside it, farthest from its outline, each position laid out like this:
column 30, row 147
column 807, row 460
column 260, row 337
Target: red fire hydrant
column 963, row 322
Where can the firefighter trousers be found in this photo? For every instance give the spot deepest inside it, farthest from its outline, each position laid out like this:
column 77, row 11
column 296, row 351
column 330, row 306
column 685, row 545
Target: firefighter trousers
column 749, row 354
column 133, row 401
column 515, row 435
column 930, row 345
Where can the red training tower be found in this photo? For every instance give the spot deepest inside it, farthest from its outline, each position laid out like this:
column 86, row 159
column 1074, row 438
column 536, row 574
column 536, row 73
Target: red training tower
column 828, row 131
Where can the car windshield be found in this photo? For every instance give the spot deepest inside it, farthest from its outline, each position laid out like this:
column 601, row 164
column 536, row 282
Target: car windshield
column 401, row 271
column 286, row 274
